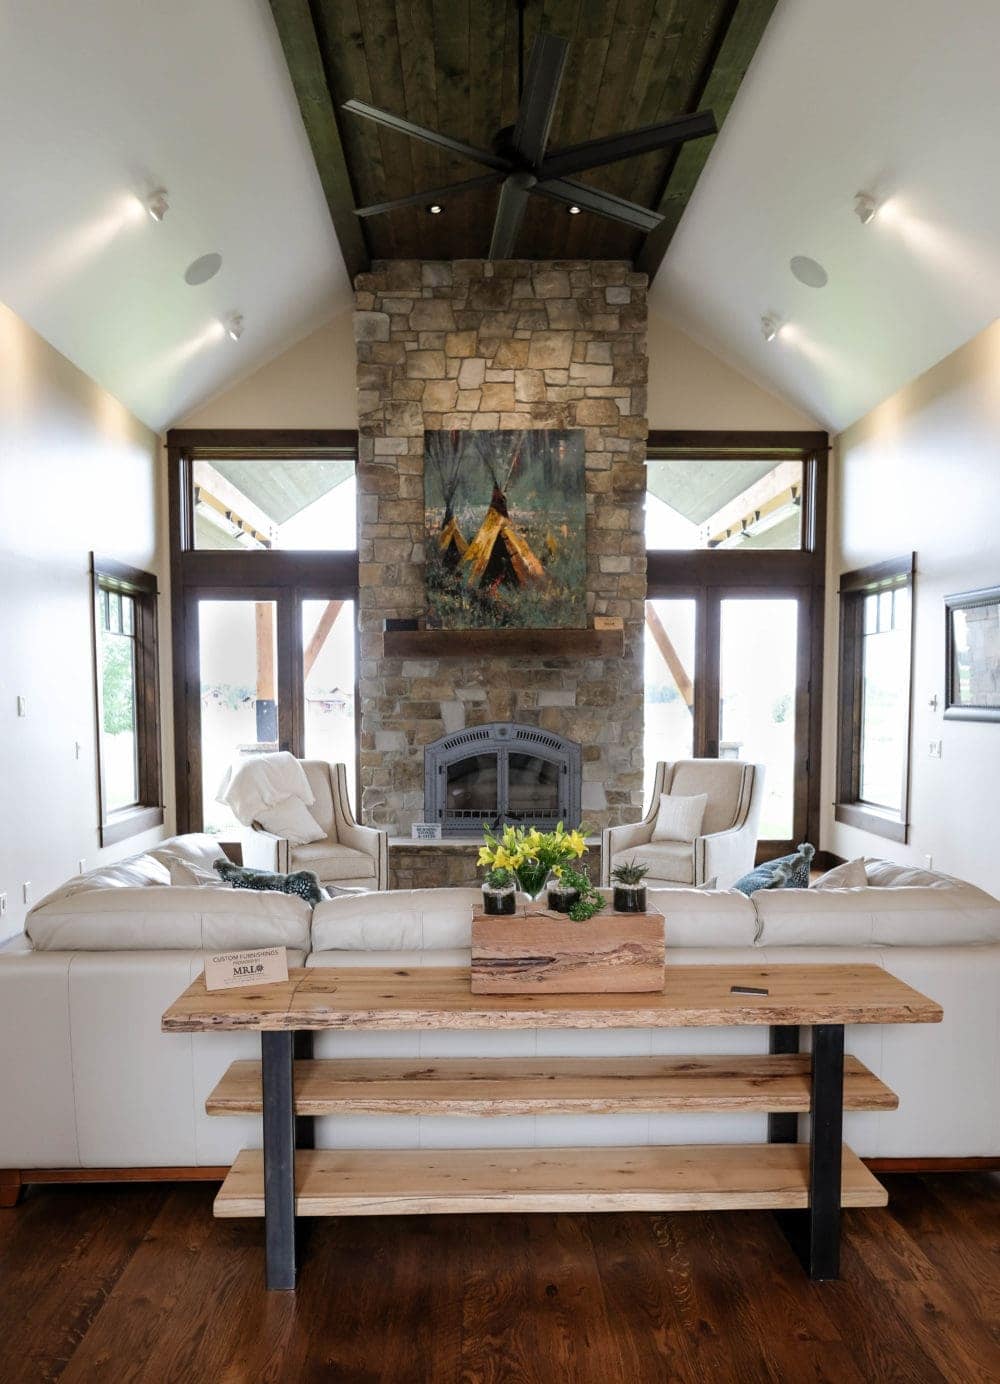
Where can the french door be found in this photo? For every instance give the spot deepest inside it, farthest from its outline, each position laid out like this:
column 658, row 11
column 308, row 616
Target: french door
column 266, row 668
column 728, row 675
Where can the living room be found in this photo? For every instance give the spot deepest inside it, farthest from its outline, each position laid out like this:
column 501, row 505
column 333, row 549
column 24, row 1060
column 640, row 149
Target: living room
column 460, row 464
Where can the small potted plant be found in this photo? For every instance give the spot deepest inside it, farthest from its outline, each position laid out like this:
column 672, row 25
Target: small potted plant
column 629, row 891
column 564, row 888
column 499, row 891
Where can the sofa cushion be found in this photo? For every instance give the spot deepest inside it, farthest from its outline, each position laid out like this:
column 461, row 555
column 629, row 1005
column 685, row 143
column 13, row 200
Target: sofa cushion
column 704, row 917
column 398, row 919
column 672, row 861
column 679, row 819
column 947, row 913
column 194, row 848
column 187, row 874
column 850, row 875
column 123, row 919
column 136, row 872
column 332, row 862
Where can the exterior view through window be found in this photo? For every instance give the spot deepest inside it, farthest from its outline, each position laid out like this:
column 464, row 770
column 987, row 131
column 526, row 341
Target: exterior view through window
column 729, row 503
column 669, row 683
column 328, row 684
column 118, row 717
column 885, row 697
column 272, row 503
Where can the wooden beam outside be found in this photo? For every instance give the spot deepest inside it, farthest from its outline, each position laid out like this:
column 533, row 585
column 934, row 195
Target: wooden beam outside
column 741, row 29
column 320, row 635
column 264, row 626
column 305, row 64
column 670, row 655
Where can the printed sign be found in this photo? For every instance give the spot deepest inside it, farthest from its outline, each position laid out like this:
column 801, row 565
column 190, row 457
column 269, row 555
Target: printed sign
column 608, row 622
column 228, row 970
column 426, row 831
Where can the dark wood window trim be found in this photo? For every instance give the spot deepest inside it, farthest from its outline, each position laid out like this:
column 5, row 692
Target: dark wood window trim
column 850, row 809
column 110, row 575
column 286, row 576
column 800, row 572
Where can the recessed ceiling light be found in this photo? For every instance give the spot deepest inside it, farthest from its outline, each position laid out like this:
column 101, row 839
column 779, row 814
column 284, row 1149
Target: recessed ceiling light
column 808, row 271
column 200, row 270
column 156, row 204
column 435, row 209
column 234, row 326
column 865, row 207
column 574, row 210
column 768, row 327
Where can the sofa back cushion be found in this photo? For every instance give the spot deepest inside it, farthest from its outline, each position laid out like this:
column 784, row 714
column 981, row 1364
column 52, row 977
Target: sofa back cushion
column 945, row 913
column 194, row 848
column 130, row 919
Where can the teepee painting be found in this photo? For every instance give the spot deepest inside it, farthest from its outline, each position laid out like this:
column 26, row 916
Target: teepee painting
column 505, row 515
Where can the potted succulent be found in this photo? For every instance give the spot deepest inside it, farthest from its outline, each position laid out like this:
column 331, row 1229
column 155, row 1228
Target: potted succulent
column 629, row 891
column 571, row 892
column 499, row 891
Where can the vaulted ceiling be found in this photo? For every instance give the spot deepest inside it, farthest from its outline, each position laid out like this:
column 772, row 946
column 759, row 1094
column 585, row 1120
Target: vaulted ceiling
column 452, row 66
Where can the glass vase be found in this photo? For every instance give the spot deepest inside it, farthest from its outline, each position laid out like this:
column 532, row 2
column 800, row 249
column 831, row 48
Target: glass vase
column 532, row 878
column 500, row 902
column 562, row 899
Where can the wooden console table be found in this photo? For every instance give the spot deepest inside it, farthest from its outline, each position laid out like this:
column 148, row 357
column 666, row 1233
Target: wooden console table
column 809, row 1183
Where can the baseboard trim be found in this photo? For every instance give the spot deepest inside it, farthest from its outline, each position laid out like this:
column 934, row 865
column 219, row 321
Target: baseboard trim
column 932, row 1165
column 166, row 1174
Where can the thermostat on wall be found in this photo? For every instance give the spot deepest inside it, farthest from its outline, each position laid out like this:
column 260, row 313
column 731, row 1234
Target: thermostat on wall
column 426, row 831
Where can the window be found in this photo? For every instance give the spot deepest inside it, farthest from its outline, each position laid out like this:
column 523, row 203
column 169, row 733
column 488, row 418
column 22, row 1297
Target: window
column 713, row 502
column 128, row 703
column 873, row 753
column 262, row 503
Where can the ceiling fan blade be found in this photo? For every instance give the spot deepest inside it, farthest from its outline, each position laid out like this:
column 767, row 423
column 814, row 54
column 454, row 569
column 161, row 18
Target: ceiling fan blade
column 603, row 203
column 434, row 194
column 510, row 214
column 407, row 127
column 538, row 100
column 596, row 152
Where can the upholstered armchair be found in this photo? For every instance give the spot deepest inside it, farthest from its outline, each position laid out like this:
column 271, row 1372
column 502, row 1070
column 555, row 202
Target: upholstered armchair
column 724, row 851
column 349, row 855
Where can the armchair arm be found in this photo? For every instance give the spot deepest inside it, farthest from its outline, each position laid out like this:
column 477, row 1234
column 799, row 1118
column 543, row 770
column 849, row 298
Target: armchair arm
column 262, row 850
column 725, row 855
column 371, row 841
column 615, row 839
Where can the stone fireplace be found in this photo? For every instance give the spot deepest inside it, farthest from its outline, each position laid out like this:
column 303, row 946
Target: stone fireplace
column 512, row 344
column 500, row 773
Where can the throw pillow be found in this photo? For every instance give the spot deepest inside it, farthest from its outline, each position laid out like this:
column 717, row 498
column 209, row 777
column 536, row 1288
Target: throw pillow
column 302, row 882
column 679, row 819
column 850, row 875
column 293, row 821
column 787, row 872
column 191, row 876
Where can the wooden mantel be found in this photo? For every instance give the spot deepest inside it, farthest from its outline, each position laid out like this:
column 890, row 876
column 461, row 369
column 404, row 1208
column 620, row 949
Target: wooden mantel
column 505, row 643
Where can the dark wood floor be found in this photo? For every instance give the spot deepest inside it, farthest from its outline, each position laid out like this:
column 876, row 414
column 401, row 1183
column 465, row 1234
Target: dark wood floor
column 140, row 1283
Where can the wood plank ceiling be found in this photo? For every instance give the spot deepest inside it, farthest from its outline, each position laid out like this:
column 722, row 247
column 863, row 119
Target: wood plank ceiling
column 452, row 65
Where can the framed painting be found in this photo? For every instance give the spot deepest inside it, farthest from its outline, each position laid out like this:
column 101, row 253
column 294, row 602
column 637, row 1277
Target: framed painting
column 505, row 524
column 972, row 655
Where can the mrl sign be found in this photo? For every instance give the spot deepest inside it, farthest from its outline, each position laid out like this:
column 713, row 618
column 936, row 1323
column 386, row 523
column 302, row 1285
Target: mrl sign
column 231, row 969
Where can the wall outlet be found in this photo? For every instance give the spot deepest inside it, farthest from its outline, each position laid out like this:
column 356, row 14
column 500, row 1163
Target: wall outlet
column 81, row 866
column 934, row 749
column 22, row 706
column 78, row 748
column 929, row 862
column 3, row 904
column 26, row 891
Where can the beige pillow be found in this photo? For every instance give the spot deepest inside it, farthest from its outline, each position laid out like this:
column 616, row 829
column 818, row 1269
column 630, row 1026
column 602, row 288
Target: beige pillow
column 679, row 819
column 850, row 875
column 292, row 820
column 188, row 875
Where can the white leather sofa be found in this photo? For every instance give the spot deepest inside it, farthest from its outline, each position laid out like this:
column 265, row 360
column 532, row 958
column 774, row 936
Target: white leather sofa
column 89, row 1081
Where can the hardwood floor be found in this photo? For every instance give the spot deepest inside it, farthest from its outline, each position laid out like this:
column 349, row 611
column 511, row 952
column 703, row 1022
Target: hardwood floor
column 139, row 1283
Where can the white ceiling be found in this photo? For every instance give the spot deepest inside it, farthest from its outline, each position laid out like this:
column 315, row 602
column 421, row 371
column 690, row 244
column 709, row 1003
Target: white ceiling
column 108, row 98
column 898, row 97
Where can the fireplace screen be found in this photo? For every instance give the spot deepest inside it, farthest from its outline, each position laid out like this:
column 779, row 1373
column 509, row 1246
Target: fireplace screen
column 501, row 773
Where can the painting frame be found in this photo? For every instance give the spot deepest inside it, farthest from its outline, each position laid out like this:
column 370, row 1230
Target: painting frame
column 959, row 706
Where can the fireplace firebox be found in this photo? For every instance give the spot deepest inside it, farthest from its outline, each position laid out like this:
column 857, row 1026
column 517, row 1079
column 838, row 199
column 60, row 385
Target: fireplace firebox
column 501, row 773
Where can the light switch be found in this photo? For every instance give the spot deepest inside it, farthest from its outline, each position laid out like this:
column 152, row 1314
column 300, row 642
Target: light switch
column 3, row 904
column 934, row 749
column 22, row 706
column 26, row 891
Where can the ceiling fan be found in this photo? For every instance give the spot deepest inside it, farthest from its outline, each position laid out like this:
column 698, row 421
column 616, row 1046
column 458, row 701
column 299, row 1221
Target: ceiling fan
column 519, row 159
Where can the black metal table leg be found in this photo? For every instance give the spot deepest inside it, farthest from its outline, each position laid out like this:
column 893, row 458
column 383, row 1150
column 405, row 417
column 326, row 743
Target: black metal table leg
column 305, row 1125
column 279, row 1158
column 783, row 1127
column 825, row 1153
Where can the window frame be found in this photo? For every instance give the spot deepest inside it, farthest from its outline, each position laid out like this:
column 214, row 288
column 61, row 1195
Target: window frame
column 850, row 809
column 108, row 574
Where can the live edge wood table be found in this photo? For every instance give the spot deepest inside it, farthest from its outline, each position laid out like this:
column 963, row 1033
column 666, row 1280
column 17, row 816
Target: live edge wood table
column 807, row 1183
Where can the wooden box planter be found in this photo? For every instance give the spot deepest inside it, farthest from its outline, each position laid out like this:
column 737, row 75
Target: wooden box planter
column 540, row 952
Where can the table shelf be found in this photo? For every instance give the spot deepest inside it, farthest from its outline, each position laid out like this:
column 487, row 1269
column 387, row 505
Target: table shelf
column 690, row 1177
column 535, row 1086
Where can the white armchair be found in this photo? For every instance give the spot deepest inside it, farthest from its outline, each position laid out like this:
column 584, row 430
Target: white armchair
column 728, row 843
column 349, row 855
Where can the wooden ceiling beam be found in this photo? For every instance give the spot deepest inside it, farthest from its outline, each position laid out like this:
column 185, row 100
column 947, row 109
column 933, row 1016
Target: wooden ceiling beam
column 305, row 64
column 741, row 28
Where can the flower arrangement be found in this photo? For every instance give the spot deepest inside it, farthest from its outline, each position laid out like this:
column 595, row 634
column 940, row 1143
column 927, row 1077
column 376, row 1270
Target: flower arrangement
column 530, row 853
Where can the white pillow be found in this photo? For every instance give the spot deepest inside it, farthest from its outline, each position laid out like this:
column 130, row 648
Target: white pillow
column 679, row 819
column 188, row 875
column 195, row 848
column 292, row 820
column 850, row 875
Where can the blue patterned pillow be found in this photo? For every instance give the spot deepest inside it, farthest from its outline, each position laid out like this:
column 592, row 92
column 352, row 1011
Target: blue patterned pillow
column 787, row 872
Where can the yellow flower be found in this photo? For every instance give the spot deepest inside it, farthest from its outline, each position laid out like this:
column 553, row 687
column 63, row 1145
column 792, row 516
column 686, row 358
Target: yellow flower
column 486, row 856
column 576, row 842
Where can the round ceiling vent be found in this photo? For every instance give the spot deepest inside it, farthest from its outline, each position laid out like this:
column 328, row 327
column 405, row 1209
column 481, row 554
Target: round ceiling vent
column 808, row 271
column 206, row 267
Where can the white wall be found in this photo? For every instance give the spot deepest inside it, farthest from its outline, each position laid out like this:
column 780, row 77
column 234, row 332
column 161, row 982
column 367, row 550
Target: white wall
column 77, row 473
column 922, row 473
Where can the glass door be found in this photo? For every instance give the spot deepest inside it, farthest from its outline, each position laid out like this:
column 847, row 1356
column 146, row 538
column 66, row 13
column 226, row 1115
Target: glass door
column 328, row 661
column 672, row 626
